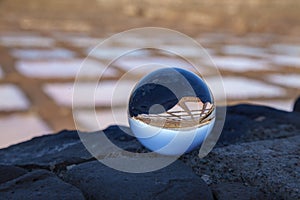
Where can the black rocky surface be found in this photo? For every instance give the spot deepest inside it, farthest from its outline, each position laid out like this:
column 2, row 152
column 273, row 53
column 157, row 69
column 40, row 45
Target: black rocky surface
column 236, row 190
column 257, row 157
column 101, row 182
column 245, row 123
column 270, row 166
column 39, row 184
column 10, row 172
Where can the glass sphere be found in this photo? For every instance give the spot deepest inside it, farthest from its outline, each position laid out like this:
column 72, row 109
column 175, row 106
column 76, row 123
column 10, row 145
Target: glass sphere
column 171, row 111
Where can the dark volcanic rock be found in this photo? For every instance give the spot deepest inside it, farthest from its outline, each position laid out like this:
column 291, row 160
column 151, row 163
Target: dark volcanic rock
column 245, row 123
column 63, row 148
column 235, row 190
column 39, row 184
column 123, row 140
column 271, row 165
column 46, row 151
column 8, row 172
column 176, row 181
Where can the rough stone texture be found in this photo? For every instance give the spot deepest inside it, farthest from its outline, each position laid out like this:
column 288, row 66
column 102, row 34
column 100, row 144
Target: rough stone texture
column 63, row 148
column 46, row 151
column 235, row 190
column 271, row 165
column 8, row 172
column 39, row 184
column 100, row 182
column 246, row 123
column 123, row 140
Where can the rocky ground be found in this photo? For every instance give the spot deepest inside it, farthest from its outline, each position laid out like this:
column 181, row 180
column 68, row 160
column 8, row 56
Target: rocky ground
column 257, row 157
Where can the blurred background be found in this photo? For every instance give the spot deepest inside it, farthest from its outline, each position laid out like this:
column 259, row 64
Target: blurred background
column 254, row 43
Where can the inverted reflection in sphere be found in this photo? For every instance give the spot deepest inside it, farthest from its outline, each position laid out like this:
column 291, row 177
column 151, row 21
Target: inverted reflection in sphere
column 171, row 111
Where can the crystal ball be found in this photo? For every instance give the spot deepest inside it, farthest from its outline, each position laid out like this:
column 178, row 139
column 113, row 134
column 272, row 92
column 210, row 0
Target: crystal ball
column 171, row 111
